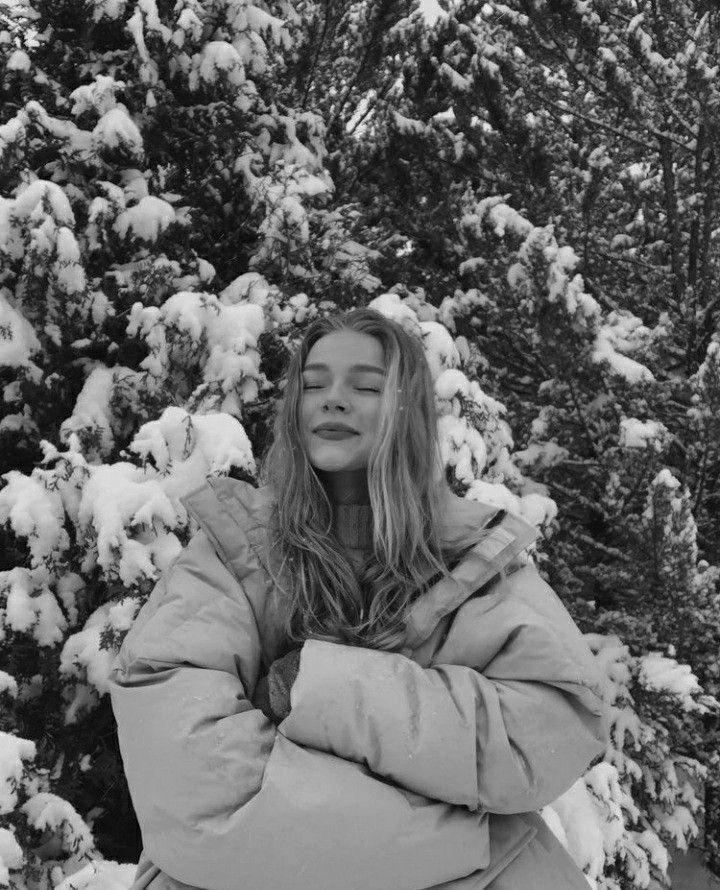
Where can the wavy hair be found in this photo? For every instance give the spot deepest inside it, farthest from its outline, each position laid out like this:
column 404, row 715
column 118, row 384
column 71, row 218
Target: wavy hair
column 324, row 598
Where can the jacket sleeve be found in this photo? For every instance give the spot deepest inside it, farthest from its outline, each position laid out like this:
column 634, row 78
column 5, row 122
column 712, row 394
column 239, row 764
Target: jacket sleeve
column 224, row 800
column 508, row 716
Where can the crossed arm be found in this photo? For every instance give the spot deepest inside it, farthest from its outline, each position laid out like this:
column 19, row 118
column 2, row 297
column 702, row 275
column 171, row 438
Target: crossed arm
column 508, row 730
column 216, row 786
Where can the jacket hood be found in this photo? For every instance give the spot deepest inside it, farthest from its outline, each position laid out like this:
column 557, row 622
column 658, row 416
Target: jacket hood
column 234, row 513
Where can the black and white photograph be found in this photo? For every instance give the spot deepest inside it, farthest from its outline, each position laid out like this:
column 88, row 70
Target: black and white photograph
column 359, row 445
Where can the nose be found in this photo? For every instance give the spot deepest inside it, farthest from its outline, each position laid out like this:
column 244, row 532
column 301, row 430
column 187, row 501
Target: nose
column 335, row 403
column 336, row 398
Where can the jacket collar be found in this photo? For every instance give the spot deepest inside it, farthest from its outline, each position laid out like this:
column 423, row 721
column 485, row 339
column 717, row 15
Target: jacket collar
column 234, row 514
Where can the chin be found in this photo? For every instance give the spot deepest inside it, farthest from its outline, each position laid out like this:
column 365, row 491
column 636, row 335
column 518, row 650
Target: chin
column 328, row 466
column 333, row 463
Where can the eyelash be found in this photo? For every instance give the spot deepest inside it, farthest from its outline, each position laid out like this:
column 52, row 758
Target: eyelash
column 362, row 389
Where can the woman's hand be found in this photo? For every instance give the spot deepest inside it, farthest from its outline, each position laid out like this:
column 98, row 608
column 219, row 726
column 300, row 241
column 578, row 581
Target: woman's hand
column 272, row 694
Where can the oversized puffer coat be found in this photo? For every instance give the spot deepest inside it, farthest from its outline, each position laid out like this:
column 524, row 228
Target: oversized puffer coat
column 393, row 771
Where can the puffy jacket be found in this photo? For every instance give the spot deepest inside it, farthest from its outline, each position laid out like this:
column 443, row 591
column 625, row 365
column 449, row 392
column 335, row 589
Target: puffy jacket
column 393, row 771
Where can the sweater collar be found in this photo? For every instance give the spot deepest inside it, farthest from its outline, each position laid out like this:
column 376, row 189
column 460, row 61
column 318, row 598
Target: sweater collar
column 353, row 525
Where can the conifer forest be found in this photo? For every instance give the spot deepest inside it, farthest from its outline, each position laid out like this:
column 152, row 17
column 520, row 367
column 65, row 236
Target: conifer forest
column 531, row 186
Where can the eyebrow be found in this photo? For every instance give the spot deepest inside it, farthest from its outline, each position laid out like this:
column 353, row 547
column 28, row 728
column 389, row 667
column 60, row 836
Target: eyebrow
column 315, row 366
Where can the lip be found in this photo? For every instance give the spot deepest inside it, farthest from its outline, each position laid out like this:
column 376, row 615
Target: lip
column 335, row 427
column 325, row 433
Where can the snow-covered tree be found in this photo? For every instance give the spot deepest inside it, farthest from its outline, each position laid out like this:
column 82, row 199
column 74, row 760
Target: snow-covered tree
column 146, row 168
column 184, row 188
column 619, row 820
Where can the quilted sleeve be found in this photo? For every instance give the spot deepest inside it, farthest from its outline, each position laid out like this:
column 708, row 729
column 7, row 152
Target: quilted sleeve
column 508, row 716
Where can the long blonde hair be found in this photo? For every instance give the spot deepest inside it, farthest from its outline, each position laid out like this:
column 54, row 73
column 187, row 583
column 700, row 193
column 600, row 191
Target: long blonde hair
column 324, row 598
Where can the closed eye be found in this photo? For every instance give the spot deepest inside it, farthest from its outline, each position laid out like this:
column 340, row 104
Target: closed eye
column 360, row 388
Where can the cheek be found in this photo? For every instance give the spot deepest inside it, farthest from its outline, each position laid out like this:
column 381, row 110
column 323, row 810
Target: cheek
column 304, row 414
column 373, row 419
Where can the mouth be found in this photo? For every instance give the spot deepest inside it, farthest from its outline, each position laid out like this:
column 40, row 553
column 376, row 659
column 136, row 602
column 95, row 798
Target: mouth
column 335, row 429
column 334, row 433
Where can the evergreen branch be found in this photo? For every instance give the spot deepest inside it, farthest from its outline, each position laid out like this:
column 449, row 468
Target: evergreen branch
column 369, row 108
column 599, row 294
column 709, row 309
column 678, row 26
column 669, row 109
column 561, row 54
column 632, row 492
column 671, row 213
column 316, row 58
column 579, row 498
column 708, row 214
column 603, row 548
column 703, row 470
column 628, row 137
column 628, row 259
column 583, row 421
column 380, row 94
column 625, row 19
column 384, row 9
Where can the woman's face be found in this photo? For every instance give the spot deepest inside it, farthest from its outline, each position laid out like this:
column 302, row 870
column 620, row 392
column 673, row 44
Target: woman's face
column 342, row 383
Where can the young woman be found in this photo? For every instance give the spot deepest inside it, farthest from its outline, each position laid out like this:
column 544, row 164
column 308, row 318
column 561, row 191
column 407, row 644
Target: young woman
column 350, row 678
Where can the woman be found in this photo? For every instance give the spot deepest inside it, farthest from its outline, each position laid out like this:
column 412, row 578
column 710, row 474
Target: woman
column 350, row 678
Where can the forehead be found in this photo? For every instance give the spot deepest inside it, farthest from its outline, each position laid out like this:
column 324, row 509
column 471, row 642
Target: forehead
column 345, row 349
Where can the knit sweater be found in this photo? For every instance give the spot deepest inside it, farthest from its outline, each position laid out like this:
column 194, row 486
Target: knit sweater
column 353, row 527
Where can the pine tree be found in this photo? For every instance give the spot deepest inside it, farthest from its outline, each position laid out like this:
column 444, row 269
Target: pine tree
column 182, row 191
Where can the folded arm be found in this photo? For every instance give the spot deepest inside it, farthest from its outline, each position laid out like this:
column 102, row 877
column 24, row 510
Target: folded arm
column 223, row 799
column 507, row 734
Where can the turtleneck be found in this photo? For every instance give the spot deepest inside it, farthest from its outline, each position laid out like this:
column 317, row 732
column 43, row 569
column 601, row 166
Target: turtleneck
column 346, row 486
column 353, row 525
column 352, row 512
